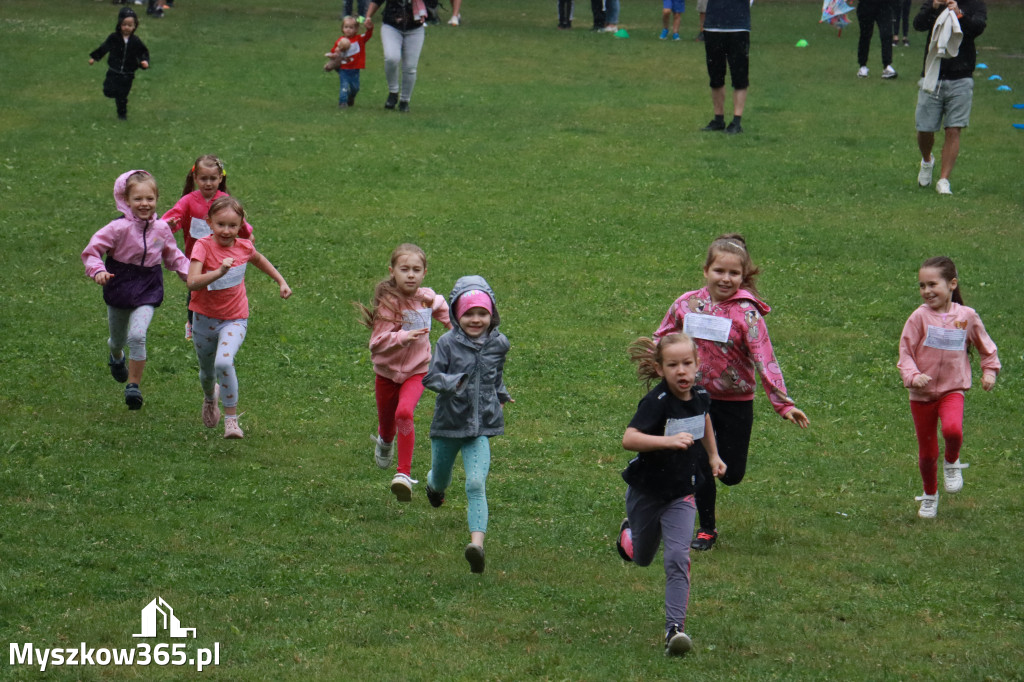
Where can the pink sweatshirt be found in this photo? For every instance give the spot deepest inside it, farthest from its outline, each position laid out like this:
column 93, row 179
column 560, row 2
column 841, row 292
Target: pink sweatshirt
column 394, row 356
column 935, row 344
column 727, row 368
column 190, row 212
column 133, row 241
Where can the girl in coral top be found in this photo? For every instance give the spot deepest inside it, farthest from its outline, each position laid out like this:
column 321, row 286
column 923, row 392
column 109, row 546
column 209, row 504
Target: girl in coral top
column 935, row 365
column 726, row 318
column 400, row 349
column 207, row 180
column 216, row 278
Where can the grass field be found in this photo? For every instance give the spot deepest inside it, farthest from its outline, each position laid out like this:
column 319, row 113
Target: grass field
column 569, row 170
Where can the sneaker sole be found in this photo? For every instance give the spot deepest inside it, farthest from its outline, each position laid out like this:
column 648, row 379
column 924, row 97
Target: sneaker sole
column 680, row 645
column 402, row 491
column 475, row 556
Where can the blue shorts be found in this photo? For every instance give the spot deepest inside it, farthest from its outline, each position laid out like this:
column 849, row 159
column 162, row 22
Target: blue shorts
column 951, row 100
column 677, row 6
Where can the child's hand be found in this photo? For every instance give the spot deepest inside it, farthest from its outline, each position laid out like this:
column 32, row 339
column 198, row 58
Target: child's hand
column 286, row 290
column 417, row 333
column 798, row 417
column 225, row 265
column 921, row 380
column 91, row 61
column 102, row 278
column 718, row 467
column 988, row 381
column 144, row 64
column 679, row 441
column 173, row 223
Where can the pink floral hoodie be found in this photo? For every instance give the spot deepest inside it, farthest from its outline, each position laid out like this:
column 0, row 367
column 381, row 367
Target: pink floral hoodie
column 394, row 356
column 727, row 368
column 949, row 367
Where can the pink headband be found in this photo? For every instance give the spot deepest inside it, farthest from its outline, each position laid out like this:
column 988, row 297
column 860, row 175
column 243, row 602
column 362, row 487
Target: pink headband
column 473, row 299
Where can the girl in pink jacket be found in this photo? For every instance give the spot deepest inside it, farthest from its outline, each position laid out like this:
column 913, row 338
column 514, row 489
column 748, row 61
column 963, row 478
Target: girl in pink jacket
column 726, row 318
column 133, row 285
column 400, row 349
column 936, row 367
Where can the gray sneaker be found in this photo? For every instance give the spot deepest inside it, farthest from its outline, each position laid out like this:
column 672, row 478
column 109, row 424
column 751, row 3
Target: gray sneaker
column 677, row 642
column 954, row 480
column 924, row 175
column 382, row 452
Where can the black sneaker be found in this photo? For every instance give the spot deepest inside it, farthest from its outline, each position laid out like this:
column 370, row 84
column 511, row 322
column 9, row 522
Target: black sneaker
column 403, row 107
column 714, row 126
column 704, row 541
column 624, row 543
column 475, row 556
column 733, row 128
column 677, row 642
column 435, row 498
column 392, row 100
column 351, row 98
column 118, row 368
column 133, row 397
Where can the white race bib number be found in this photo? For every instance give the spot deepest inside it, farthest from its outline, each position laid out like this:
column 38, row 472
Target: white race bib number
column 946, row 339
column 691, row 425
column 707, row 327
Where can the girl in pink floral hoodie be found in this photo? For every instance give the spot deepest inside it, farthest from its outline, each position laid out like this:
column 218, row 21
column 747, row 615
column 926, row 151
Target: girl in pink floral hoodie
column 727, row 320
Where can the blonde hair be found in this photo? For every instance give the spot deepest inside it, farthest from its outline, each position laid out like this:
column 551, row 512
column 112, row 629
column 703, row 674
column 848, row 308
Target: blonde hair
column 231, row 203
column 140, row 178
column 735, row 245
column 648, row 354
column 386, row 296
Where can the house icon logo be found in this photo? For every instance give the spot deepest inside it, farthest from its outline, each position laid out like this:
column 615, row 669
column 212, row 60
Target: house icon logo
column 159, row 614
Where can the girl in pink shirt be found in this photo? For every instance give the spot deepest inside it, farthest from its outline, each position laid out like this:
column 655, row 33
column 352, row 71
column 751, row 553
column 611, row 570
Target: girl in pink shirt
column 207, row 180
column 216, row 278
column 936, row 367
column 726, row 318
column 400, row 349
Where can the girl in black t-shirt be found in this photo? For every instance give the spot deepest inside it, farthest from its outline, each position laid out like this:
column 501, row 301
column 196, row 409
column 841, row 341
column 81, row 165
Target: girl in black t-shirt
column 670, row 430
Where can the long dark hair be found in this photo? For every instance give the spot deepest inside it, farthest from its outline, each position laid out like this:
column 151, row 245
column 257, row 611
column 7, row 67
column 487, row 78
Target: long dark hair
column 208, row 161
column 947, row 271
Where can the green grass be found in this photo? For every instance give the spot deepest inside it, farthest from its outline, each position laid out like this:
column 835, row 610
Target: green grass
column 569, row 170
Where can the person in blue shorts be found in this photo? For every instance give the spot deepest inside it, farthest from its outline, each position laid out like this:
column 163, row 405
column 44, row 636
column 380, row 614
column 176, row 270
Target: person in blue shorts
column 671, row 9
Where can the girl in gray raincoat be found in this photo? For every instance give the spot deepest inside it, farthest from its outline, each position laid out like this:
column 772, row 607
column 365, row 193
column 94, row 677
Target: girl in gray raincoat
column 466, row 373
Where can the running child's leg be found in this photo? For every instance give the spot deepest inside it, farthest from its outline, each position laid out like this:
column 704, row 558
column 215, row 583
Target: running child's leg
column 442, row 461
column 205, row 340
column 138, row 326
column 926, row 420
column 476, row 458
column 231, row 334
column 676, row 530
column 644, row 515
column 386, row 393
column 408, row 396
column 117, row 323
column 951, row 416
column 732, row 422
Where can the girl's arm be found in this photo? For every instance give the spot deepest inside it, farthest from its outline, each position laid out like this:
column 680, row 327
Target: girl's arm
column 177, row 215
column 92, row 256
column 438, row 378
column 261, row 262
column 910, row 340
column 990, row 364
column 762, row 355
column 499, row 383
column 197, row 279
column 441, row 312
column 638, row 441
column 672, row 322
column 711, row 447
column 175, row 260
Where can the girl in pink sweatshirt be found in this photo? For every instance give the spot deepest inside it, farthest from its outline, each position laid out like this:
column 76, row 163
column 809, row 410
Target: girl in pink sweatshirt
column 726, row 318
column 935, row 365
column 399, row 318
column 134, row 245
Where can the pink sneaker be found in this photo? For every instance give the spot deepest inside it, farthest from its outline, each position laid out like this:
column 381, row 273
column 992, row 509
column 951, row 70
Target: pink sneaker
column 624, row 543
column 211, row 412
column 231, row 427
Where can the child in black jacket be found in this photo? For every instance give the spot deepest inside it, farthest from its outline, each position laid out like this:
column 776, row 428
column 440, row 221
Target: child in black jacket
column 127, row 53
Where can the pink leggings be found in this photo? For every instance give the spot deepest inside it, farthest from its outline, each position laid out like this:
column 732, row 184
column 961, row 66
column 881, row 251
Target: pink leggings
column 396, row 404
column 949, row 410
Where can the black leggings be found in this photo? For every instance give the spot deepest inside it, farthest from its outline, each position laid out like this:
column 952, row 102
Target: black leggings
column 732, row 422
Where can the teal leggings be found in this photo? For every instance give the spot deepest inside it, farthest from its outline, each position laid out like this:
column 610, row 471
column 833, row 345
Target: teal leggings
column 476, row 458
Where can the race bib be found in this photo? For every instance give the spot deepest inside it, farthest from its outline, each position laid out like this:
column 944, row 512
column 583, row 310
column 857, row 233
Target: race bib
column 946, row 339
column 416, row 319
column 233, row 278
column 691, row 425
column 707, row 327
column 199, row 228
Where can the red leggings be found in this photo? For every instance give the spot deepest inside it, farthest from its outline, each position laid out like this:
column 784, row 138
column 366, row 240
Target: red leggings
column 949, row 409
column 396, row 404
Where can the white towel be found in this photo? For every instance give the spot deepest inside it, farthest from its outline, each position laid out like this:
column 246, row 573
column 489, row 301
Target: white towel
column 945, row 42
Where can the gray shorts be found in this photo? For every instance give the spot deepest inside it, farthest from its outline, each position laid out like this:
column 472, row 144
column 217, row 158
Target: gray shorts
column 952, row 100
column 702, row 6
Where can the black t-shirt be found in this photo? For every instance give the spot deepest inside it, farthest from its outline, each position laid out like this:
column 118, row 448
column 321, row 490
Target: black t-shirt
column 668, row 474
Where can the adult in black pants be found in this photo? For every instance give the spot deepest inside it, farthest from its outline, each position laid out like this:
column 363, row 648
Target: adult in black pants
column 597, row 7
column 869, row 13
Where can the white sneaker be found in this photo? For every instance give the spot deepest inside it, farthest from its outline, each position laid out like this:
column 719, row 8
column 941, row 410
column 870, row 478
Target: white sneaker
column 929, row 506
column 401, row 486
column 951, row 473
column 454, row 21
column 942, row 186
column 889, row 72
column 862, row 72
column 382, row 453
column 924, row 176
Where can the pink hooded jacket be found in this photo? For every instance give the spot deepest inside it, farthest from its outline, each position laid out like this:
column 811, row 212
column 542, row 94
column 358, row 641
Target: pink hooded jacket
column 137, row 242
column 727, row 369
column 394, row 356
column 950, row 370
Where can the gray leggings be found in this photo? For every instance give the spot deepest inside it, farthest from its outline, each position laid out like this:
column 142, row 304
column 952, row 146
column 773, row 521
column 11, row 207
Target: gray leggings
column 401, row 49
column 653, row 521
column 129, row 326
column 217, row 342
